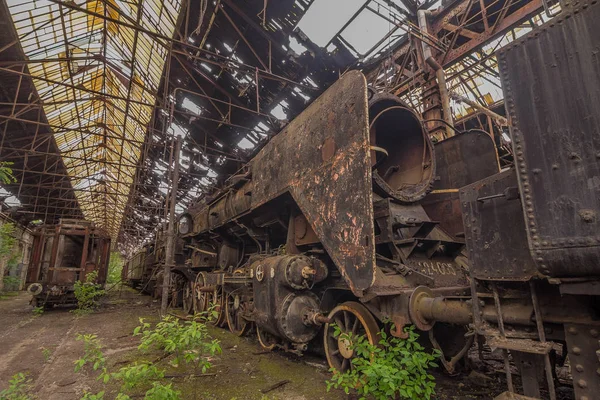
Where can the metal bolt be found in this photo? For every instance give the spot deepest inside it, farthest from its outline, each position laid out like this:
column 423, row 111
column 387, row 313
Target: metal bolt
column 582, row 383
column 576, row 350
column 594, row 333
column 572, row 330
column 579, row 368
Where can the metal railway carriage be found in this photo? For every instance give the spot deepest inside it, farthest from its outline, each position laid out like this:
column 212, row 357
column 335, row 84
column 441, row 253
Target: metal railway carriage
column 133, row 270
column 62, row 255
column 351, row 215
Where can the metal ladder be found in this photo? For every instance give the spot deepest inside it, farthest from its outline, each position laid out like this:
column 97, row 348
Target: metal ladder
column 524, row 349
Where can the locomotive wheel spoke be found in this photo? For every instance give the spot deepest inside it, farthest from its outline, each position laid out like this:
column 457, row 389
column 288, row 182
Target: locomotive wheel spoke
column 200, row 298
column 352, row 319
column 237, row 324
column 218, row 301
column 340, row 324
column 188, row 297
column 266, row 339
column 355, row 326
column 346, row 321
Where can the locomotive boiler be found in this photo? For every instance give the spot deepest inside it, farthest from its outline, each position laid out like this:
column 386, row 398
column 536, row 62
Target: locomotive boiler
column 352, row 216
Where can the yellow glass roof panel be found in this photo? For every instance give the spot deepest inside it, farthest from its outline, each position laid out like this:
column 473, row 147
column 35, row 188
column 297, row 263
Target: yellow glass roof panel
column 92, row 93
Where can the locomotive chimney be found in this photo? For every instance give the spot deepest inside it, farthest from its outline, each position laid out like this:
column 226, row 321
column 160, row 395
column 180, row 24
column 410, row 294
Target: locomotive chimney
column 401, row 151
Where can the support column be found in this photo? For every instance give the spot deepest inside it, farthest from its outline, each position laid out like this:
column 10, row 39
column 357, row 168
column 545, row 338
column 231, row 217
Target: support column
column 170, row 245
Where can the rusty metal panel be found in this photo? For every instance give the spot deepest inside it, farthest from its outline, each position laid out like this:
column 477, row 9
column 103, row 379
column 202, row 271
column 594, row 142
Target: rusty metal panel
column 322, row 158
column 461, row 160
column 551, row 80
column 495, row 230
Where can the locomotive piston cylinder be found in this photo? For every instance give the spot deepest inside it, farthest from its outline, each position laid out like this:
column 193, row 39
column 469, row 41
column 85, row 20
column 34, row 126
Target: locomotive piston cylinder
column 425, row 310
column 281, row 294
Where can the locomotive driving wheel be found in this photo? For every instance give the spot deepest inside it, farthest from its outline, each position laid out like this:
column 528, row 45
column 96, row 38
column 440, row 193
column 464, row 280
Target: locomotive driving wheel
column 188, row 297
column 267, row 340
column 353, row 319
column 200, row 300
column 234, row 307
column 218, row 300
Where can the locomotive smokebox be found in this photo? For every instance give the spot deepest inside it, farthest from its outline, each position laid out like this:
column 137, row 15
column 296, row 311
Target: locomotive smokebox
column 401, row 151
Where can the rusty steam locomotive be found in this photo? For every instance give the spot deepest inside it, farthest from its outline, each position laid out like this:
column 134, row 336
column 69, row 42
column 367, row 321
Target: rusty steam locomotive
column 351, row 215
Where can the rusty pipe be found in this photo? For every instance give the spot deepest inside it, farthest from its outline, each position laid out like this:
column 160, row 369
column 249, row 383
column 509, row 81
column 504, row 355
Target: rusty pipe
column 500, row 120
column 440, row 309
column 460, row 312
column 439, row 72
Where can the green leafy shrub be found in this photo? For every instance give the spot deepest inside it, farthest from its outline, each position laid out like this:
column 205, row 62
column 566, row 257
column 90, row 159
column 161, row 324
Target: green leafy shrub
column 47, row 353
column 137, row 375
column 18, row 388
column 87, row 294
column 91, row 396
column 37, row 311
column 6, row 173
column 7, row 238
column 115, row 266
column 162, row 392
column 92, row 353
column 396, row 368
column 189, row 341
column 11, row 283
